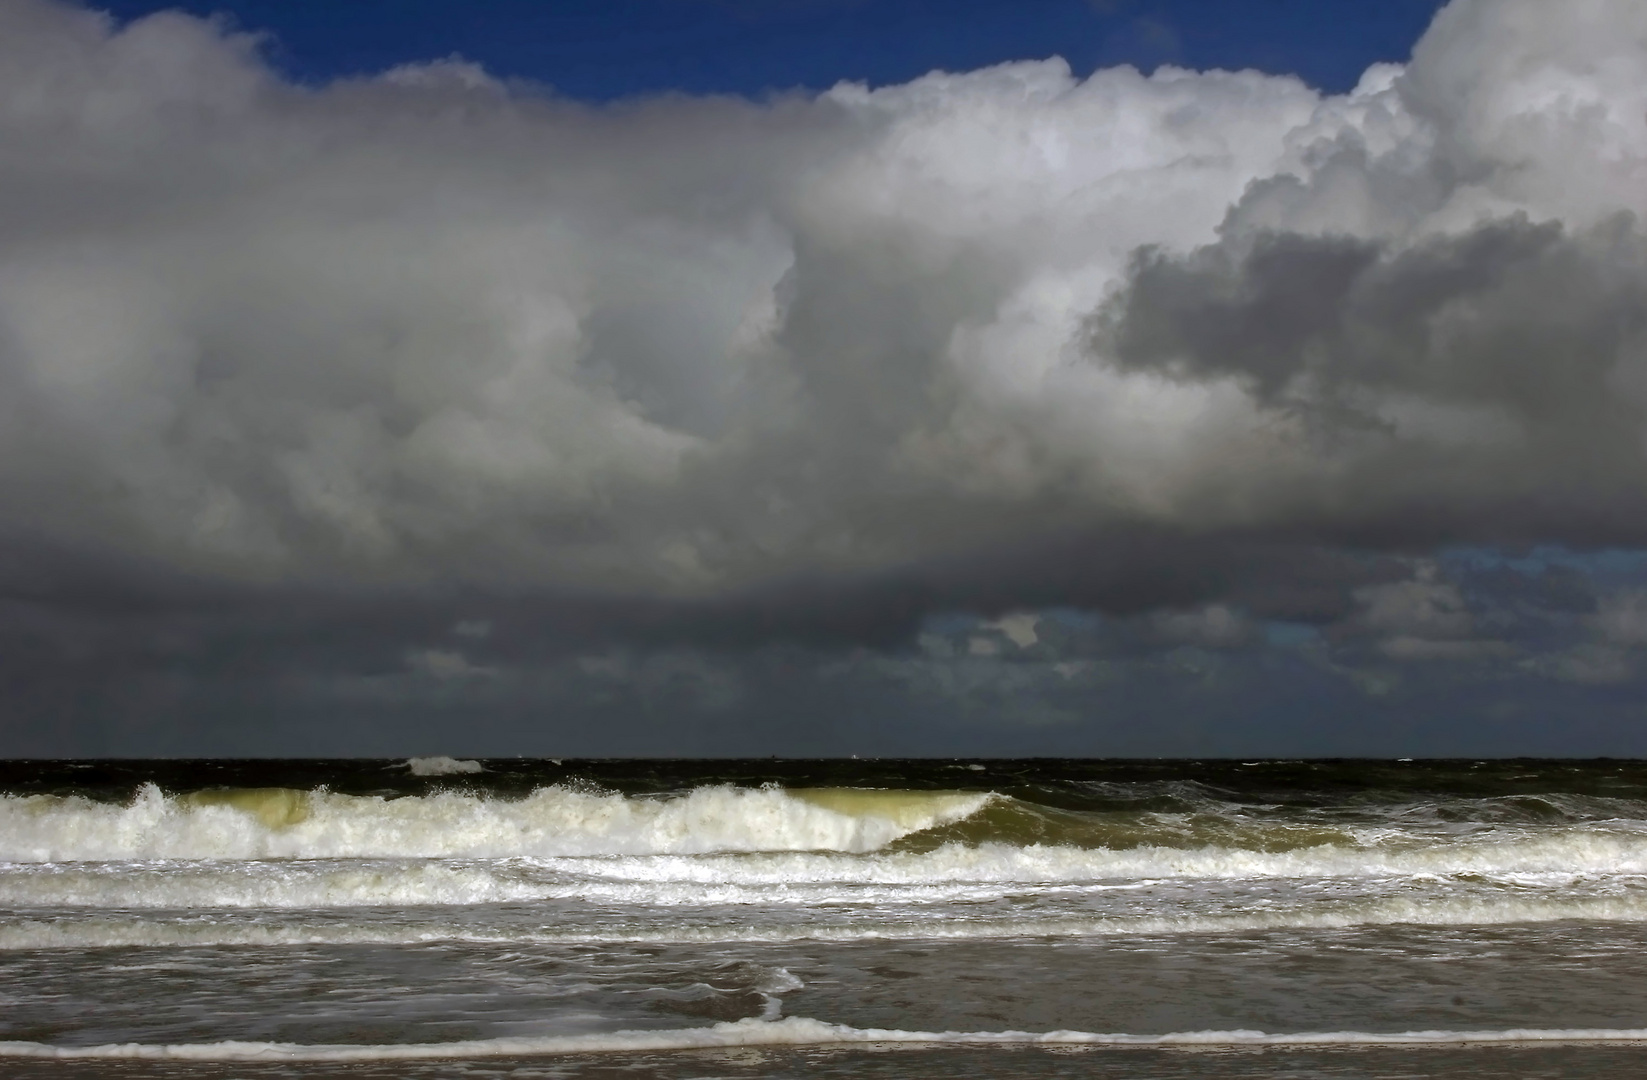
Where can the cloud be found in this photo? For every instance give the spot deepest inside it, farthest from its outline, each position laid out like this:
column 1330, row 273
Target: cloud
column 1216, row 626
column 1422, row 606
column 1621, row 619
column 431, row 328
column 446, row 664
column 1018, row 628
column 387, row 358
column 1488, row 376
column 1612, row 653
column 1588, row 663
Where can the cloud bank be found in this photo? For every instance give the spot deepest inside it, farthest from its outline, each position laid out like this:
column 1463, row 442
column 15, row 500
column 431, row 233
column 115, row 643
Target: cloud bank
column 1191, row 350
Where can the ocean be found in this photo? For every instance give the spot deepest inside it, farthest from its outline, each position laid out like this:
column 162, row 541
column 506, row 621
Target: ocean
column 841, row 918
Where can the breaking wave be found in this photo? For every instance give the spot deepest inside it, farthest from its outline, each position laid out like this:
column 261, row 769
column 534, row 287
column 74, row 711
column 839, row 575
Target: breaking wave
column 714, row 841
column 265, row 823
column 442, row 766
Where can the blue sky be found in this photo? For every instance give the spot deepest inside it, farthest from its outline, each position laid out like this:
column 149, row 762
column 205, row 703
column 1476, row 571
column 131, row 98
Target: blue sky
column 814, row 377
column 599, row 51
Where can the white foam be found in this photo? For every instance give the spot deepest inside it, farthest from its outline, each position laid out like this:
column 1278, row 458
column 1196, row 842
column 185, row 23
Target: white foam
column 1551, row 852
column 795, row 1031
column 442, row 766
column 551, row 821
column 111, row 931
column 947, row 876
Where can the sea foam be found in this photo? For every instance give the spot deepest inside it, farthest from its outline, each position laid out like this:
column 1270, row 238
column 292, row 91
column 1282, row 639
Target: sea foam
column 795, row 1031
column 124, row 930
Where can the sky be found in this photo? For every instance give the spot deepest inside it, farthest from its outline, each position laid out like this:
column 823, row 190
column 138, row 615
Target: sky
column 823, row 377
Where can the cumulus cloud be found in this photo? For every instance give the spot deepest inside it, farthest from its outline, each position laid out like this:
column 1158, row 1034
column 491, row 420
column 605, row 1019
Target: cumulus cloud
column 430, row 326
column 1206, row 344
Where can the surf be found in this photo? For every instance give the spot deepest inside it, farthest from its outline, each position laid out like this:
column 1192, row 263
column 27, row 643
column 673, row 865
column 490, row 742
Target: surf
column 121, row 930
column 797, row 1031
column 275, row 823
column 730, row 835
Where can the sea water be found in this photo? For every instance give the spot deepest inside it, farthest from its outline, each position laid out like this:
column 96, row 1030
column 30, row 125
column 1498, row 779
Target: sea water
column 436, row 917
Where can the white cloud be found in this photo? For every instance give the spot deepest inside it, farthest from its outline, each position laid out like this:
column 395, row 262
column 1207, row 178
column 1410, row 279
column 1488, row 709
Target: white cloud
column 1018, row 628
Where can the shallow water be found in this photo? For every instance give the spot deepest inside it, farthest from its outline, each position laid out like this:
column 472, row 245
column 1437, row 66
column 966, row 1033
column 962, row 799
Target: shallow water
column 822, row 918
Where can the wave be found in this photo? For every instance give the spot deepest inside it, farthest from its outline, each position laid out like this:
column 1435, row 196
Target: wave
column 949, row 875
column 88, row 933
column 1568, row 866
column 737, row 835
column 794, row 1031
column 441, row 766
column 264, row 823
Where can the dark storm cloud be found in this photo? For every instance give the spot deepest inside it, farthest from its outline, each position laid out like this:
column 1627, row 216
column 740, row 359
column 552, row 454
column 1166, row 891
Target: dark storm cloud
column 1478, row 387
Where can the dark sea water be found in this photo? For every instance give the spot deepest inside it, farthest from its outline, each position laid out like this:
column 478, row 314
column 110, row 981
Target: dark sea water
column 1041, row 918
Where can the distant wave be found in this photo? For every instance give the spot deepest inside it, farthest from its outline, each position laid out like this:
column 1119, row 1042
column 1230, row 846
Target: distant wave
column 793, row 1031
column 442, row 766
